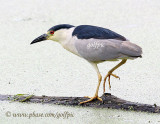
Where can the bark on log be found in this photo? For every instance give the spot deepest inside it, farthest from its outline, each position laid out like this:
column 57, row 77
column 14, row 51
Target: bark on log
column 109, row 101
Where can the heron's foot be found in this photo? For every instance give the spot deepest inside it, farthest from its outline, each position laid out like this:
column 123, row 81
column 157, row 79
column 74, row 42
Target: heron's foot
column 91, row 99
column 108, row 76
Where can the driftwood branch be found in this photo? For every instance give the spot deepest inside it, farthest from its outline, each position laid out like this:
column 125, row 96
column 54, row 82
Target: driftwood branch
column 109, row 101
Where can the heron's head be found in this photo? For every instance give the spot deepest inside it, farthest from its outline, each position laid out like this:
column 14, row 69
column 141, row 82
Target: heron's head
column 56, row 33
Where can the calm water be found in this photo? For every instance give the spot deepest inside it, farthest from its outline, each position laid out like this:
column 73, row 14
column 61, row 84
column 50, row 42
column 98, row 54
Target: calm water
column 47, row 69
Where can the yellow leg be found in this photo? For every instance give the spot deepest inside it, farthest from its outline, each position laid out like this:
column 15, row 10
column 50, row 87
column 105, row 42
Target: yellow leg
column 99, row 82
column 96, row 94
column 110, row 73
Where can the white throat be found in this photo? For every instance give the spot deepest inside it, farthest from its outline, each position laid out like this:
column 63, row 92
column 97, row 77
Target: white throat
column 65, row 38
column 64, row 35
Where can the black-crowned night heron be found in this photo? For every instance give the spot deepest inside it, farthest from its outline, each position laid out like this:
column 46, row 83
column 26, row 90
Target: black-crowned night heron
column 95, row 44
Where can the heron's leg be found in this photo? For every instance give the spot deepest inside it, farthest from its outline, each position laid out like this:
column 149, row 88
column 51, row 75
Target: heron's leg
column 110, row 73
column 99, row 82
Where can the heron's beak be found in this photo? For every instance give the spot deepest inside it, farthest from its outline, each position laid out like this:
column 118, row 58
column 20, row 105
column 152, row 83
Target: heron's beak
column 40, row 38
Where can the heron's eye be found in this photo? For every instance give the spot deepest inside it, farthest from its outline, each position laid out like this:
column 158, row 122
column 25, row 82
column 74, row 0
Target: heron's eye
column 51, row 32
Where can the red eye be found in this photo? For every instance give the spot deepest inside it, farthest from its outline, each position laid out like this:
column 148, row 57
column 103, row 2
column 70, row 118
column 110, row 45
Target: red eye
column 51, row 32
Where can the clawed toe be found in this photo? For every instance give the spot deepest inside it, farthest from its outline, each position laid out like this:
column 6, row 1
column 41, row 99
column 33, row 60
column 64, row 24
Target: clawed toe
column 91, row 99
column 108, row 76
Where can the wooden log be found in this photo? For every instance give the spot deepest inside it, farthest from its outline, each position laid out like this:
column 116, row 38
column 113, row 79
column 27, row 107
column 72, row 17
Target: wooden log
column 109, row 101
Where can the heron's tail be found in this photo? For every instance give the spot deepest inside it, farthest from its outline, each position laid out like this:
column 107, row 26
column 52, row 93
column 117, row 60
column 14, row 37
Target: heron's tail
column 131, row 49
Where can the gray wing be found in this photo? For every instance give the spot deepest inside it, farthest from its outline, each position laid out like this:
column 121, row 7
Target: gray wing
column 110, row 49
